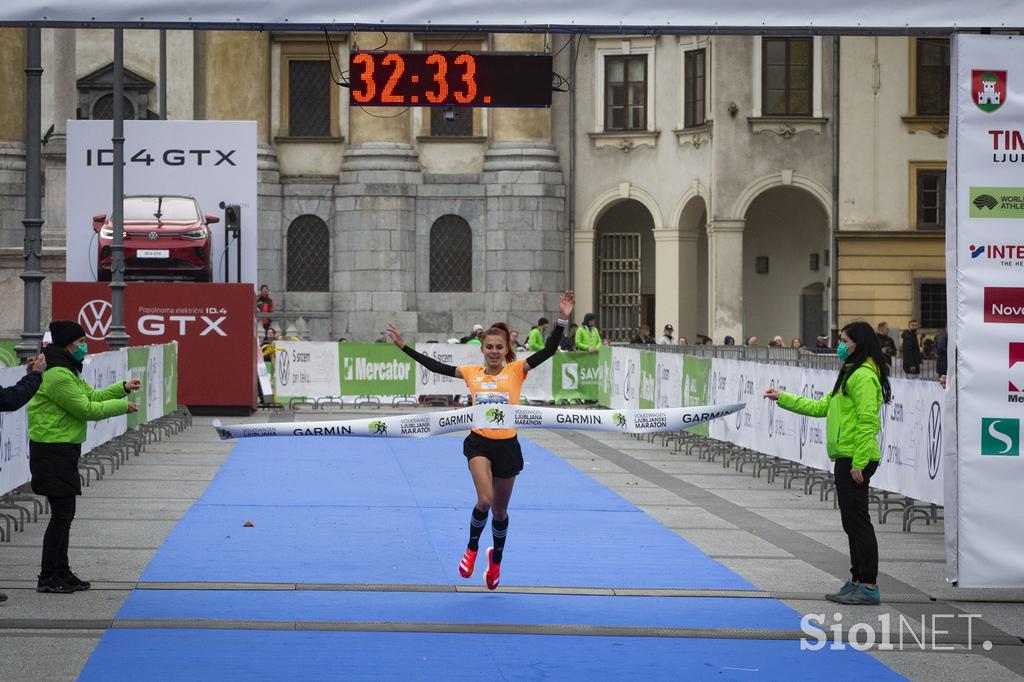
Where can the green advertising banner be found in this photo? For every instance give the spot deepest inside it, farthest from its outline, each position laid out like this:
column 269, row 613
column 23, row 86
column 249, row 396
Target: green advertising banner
column 997, row 202
column 8, row 356
column 170, row 394
column 604, row 362
column 648, row 364
column 138, row 368
column 576, row 376
column 375, row 369
column 696, row 380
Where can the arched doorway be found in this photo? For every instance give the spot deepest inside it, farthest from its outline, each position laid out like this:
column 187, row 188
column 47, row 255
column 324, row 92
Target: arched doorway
column 624, row 255
column 785, row 243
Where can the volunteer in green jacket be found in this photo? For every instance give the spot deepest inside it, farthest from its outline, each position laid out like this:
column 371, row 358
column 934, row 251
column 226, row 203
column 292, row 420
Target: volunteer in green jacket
column 535, row 341
column 852, row 423
column 57, row 417
column 588, row 339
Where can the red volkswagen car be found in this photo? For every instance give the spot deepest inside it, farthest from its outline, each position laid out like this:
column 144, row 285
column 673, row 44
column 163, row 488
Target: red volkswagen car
column 165, row 238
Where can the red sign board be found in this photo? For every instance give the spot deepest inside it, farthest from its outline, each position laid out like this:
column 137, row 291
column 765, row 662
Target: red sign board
column 212, row 323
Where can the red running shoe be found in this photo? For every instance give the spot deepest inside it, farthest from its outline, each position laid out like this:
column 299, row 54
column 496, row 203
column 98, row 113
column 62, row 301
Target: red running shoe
column 467, row 563
column 493, row 574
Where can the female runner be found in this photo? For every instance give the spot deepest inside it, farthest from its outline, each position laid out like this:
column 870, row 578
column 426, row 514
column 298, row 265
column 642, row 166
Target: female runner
column 495, row 458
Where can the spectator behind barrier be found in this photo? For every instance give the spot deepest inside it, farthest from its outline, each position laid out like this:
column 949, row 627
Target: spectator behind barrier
column 643, row 336
column 264, row 304
column 911, row 349
column 795, row 343
column 568, row 343
column 57, row 417
column 666, row 336
column 888, row 345
column 588, row 338
column 15, row 397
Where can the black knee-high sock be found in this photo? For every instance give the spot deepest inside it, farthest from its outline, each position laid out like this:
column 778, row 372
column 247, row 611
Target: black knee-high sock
column 498, row 529
column 476, row 527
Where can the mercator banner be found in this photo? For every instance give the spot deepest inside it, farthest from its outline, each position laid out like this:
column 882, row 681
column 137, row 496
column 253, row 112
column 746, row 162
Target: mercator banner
column 985, row 223
column 489, row 417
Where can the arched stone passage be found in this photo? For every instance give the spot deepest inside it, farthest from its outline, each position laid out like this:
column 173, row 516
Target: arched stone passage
column 785, row 240
column 624, row 270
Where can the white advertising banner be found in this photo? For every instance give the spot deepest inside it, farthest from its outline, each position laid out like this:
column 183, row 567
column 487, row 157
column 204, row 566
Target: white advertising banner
column 538, row 384
column 13, row 439
column 911, row 441
column 456, row 354
column 985, row 218
column 211, row 161
column 308, row 369
column 99, row 371
column 668, row 380
column 625, row 379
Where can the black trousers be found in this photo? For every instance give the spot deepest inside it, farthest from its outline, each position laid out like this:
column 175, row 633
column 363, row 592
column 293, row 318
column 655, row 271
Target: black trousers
column 57, row 536
column 853, row 507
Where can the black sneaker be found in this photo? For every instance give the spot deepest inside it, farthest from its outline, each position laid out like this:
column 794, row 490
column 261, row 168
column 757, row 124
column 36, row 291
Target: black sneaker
column 75, row 582
column 3, row 597
column 54, row 584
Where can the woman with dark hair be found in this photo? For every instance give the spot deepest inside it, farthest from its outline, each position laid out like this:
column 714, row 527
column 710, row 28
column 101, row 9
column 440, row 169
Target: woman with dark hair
column 57, row 418
column 852, row 423
column 494, row 455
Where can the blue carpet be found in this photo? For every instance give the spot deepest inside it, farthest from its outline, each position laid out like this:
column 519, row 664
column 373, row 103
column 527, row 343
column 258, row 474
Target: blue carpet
column 469, row 607
column 397, row 511
column 282, row 655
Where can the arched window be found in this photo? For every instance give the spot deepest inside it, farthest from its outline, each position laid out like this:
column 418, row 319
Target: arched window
column 451, row 255
column 309, row 255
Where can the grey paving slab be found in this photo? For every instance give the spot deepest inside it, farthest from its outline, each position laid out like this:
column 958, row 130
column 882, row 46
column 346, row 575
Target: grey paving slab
column 945, row 667
column 769, row 498
column 1009, row 617
column 731, row 543
column 109, row 533
column 96, row 508
column 18, row 563
column 803, row 519
column 681, row 518
column 616, row 480
column 652, row 496
column 91, row 604
column 895, row 545
column 783, row 575
column 34, row 658
column 166, row 489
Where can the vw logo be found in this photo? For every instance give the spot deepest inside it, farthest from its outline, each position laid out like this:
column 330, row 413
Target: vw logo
column 934, row 440
column 153, row 236
column 882, row 423
column 714, row 388
column 282, row 367
column 95, row 318
column 771, row 413
column 807, row 392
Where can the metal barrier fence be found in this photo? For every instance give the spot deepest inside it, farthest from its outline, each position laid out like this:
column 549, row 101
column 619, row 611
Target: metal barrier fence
column 21, row 506
column 796, row 357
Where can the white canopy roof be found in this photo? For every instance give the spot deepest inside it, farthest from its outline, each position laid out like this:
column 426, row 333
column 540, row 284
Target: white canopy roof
column 664, row 16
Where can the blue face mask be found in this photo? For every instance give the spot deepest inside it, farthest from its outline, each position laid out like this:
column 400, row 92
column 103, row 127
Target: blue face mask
column 80, row 351
column 843, row 351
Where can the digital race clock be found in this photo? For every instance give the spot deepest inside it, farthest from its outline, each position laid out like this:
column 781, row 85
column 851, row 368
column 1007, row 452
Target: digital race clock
column 443, row 79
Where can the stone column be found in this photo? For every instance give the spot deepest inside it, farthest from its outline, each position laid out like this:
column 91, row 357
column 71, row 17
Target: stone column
column 12, row 137
column 669, row 273
column 526, row 202
column 583, row 274
column 65, row 105
column 374, row 257
column 232, row 75
column 725, row 275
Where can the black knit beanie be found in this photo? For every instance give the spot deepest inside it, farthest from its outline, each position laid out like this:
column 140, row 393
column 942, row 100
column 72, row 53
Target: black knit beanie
column 63, row 332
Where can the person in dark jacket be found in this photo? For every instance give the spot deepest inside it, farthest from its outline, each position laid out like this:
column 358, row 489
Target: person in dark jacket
column 15, row 397
column 942, row 357
column 911, row 349
column 57, row 419
column 888, row 345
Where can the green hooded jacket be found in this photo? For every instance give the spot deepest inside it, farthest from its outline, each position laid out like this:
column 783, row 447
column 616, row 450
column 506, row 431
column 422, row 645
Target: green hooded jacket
column 59, row 410
column 851, row 417
column 535, row 341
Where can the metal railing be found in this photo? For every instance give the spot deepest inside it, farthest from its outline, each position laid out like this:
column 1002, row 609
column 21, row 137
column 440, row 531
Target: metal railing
column 796, row 357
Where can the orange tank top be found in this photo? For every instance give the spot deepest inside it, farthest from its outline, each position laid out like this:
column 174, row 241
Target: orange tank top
column 502, row 388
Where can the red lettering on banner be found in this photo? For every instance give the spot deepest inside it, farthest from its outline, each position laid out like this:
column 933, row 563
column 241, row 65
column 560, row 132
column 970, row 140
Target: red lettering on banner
column 212, row 323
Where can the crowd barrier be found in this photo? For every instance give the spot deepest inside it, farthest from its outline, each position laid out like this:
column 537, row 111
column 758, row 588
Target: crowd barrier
column 108, row 441
column 622, row 377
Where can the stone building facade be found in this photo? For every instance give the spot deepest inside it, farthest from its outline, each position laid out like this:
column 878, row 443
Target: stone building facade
column 701, row 195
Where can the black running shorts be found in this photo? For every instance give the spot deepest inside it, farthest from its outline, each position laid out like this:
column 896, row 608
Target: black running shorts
column 505, row 455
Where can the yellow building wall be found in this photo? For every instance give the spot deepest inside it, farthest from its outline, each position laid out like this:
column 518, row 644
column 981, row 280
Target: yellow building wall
column 877, row 273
